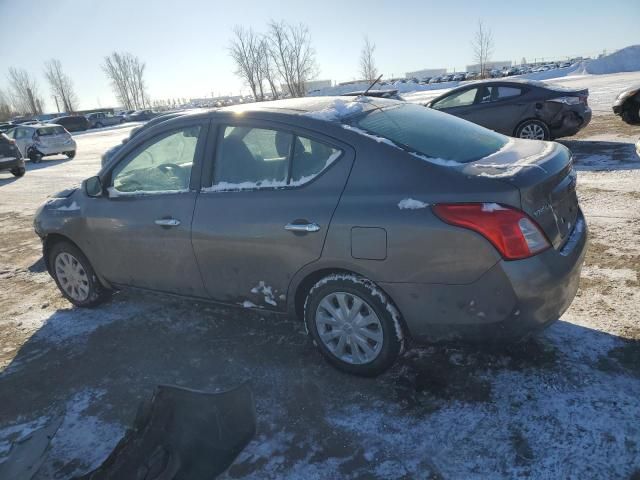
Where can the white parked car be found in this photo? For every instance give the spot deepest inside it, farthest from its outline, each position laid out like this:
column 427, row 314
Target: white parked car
column 37, row 141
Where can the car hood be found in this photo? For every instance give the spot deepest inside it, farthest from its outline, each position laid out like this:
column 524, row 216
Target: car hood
column 625, row 94
column 66, row 193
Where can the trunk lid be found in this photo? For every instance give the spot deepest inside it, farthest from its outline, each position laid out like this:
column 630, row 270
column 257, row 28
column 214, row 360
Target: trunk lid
column 543, row 173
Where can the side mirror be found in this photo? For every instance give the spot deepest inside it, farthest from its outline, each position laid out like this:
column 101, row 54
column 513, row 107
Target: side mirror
column 93, row 186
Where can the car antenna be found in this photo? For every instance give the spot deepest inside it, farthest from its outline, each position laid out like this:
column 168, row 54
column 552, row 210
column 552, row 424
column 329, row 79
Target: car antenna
column 371, row 86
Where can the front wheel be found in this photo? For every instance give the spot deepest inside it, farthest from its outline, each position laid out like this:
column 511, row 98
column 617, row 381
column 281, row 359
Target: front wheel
column 75, row 277
column 70, row 154
column 18, row 171
column 353, row 324
column 35, row 156
column 631, row 113
column 533, row 130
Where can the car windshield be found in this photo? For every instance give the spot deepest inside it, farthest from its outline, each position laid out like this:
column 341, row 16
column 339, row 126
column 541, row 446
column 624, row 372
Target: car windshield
column 431, row 133
column 43, row 132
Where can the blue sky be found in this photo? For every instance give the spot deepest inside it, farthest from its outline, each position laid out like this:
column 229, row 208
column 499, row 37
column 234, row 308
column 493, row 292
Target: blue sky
column 184, row 42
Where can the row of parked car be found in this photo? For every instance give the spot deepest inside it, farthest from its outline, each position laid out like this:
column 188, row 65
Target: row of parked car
column 77, row 123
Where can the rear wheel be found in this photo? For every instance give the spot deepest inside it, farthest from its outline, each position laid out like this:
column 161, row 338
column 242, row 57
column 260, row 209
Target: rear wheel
column 353, row 324
column 34, row 155
column 533, row 130
column 75, row 277
column 18, row 171
column 99, row 125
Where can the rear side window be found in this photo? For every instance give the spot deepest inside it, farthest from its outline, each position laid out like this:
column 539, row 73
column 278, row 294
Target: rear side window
column 432, row 133
column 494, row 93
column 310, row 158
column 250, row 158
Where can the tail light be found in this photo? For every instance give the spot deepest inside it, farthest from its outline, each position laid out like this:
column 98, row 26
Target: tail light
column 510, row 231
column 583, row 99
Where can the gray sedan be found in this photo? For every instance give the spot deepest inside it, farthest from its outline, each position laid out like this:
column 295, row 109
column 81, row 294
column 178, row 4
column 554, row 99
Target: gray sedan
column 371, row 220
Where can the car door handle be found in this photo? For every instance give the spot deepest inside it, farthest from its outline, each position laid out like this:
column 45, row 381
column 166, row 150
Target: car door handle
column 302, row 227
column 167, row 222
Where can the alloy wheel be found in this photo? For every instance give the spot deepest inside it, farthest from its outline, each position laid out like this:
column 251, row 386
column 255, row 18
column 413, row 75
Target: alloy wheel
column 349, row 328
column 72, row 276
column 532, row 131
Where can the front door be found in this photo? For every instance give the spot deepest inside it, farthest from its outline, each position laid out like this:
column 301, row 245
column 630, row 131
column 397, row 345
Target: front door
column 266, row 215
column 141, row 230
column 499, row 108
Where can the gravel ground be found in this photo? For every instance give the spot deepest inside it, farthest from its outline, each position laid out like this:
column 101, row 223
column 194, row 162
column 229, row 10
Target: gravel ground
column 565, row 404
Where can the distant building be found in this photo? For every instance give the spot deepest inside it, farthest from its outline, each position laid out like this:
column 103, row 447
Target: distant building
column 497, row 65
column 427, row 72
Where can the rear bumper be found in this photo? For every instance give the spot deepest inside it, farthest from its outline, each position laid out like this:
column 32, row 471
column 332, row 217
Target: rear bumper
column 572, row 122
column 11, row 162
column 47, row 150
column 510, row 301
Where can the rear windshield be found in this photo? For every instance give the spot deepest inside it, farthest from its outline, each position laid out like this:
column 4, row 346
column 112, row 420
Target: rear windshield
column 43, row 132
column 434, row 134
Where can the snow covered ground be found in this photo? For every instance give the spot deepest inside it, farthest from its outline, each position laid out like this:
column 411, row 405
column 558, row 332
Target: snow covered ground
column 563, row 405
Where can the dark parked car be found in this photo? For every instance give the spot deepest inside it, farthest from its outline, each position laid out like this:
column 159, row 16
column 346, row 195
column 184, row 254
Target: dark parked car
column 10, row 158
column 627, row 105
column 71, row 123
column 371, row 220
column 140, row 116
column 520, row 108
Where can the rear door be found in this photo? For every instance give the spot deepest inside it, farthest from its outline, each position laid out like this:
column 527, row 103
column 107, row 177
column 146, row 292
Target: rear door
column 141, row 230
column 265, row 215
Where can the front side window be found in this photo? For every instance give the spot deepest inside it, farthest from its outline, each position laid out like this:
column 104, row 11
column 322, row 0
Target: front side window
column 162, row 166
column 459, row 99
column 250, row 158
column 431, row 133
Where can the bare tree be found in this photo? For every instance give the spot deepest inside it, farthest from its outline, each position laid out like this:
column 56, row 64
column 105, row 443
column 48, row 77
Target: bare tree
column 293, row 55
column 482, row 47
column 24, row 92
column 126, row 73
column 61, row 85
column 368, row 69
column 268, row 67
column 246, row 49
column 6, row 109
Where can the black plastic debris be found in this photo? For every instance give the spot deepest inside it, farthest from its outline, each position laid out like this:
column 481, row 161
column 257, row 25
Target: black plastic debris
column 182, row 434
column 27, row 455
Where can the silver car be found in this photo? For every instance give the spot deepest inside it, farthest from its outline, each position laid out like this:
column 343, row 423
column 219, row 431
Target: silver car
column 41, row 140
column 371, row 220
column 101, row 119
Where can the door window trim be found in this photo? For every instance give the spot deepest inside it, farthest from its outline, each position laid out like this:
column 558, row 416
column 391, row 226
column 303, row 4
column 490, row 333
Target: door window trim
column 218, row 130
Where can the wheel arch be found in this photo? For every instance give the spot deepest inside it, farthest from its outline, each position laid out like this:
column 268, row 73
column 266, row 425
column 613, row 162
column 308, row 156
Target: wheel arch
column 306, row 283
column 53, row 239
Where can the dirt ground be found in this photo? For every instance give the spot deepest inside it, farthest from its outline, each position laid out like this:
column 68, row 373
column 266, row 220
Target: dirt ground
column 565, row 404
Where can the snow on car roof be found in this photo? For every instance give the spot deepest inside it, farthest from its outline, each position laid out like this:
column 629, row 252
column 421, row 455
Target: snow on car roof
column 311, row 105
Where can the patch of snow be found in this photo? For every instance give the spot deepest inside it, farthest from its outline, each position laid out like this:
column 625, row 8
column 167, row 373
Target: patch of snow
column 267, row 291
column 509, row 169
column 248, row 304
column 492, row 207
column 624, row 60
column 411, row 204
column 337, row 111
column 227, row 186
column 68, row 208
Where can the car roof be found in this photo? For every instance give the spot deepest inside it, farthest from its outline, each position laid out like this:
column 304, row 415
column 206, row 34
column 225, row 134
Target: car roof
column 305, row 105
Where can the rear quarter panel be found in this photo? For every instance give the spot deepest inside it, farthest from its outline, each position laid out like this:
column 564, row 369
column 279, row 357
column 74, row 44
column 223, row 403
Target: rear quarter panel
column 420, row 247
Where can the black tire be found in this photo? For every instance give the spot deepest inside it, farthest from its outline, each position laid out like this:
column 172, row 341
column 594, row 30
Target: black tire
column 631, row 113
column 99, row 125
column 70, row 154
column 34, row 155
column 376, row 301
column 532, row 126
column 18, row 171
column 96, row 295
